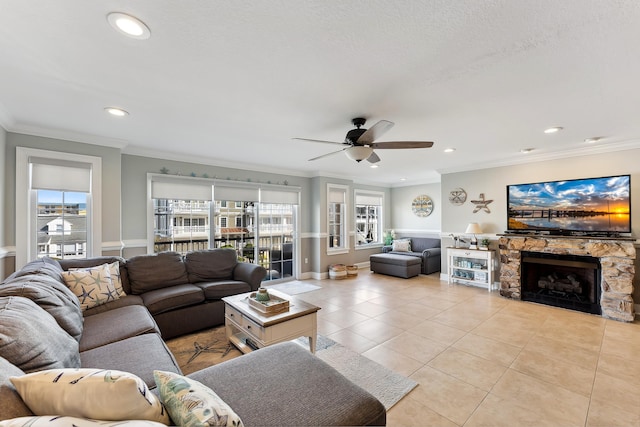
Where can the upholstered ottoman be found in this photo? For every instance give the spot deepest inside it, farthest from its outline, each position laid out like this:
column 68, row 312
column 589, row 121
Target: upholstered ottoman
column 395, row 265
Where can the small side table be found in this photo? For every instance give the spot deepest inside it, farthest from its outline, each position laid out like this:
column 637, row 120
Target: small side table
column 471, row 267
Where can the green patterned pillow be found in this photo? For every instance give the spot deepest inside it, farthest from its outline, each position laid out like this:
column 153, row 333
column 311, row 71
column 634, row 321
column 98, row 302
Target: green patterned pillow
column 62, row 421
column 93, row 287
column 192, row 404
column 98, row 394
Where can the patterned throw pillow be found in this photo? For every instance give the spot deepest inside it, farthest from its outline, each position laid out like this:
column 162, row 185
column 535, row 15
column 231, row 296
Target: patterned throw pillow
column 401, row 246
column 114, row 271
column 93, row 287
column 98, row 394
column 192, row 404
column 62, row 421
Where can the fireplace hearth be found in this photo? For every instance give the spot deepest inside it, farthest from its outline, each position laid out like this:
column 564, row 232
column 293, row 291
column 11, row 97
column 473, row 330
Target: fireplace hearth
column 612, row 286
column 568, row 281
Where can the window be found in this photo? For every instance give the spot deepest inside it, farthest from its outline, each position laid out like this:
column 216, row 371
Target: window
column 223, row 222
column 58, row 205
column 182, row 212
column 238, row 221
column 368, row 217
column 61, row 224
column 336, row 218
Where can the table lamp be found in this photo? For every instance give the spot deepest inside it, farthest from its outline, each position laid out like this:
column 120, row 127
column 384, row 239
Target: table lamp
column 473, row 228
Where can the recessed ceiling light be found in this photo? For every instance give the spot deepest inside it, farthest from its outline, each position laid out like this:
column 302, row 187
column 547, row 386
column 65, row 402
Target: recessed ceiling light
column 373, row 166
column 553, row 129
column 527, row 150
column 403, row 179
column 129, row 25
column 115, row 111
column 449, row 150
column 593, row 140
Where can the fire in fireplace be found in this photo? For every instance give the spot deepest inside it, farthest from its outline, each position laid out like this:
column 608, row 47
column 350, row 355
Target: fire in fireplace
column 568, row 281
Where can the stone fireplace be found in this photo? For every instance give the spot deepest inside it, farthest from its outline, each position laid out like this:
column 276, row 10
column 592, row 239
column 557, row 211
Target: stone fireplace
column 587, row 274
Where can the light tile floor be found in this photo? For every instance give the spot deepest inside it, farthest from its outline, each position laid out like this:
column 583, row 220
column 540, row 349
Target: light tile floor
column 481, row 359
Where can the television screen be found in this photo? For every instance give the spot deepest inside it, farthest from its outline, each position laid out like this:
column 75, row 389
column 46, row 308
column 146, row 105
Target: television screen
column 591, row 205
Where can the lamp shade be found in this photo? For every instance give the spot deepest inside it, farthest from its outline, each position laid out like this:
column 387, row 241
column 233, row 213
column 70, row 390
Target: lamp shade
column 359, row 153
column 473, row 228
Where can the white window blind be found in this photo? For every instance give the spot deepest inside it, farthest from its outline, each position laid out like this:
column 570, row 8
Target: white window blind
column 279, row 196
column 337, row 195
column 368, row 199
column 236, row 193
column 60, row 175
column 175, row 188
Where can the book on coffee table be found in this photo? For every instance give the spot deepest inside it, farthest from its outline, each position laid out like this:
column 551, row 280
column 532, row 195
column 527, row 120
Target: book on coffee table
column 272, row 305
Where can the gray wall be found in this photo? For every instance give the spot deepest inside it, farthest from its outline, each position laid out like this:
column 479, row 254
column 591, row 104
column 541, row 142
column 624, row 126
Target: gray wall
column 404, row 221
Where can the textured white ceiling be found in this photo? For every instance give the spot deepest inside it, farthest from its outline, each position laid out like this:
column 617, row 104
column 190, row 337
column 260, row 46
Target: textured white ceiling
column 230, row 83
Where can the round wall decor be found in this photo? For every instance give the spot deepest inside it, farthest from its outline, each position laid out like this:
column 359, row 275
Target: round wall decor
column 457, row 196
column 422, row 205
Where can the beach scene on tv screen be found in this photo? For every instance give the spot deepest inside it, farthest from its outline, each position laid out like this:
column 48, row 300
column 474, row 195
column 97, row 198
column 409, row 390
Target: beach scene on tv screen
column 588, row 205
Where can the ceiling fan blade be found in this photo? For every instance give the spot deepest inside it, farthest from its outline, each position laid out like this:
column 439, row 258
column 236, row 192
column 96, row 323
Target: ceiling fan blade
column 319, row 140
column 402, row 144
column 373, row 158
column 328, row 154
column 375, row 132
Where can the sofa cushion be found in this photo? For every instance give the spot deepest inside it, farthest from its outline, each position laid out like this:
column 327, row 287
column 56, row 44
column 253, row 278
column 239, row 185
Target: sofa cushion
column 419, row 244
column 124, row 301
column 76, row 263
column 59, row 421
column 12, row 404
column 213, row 264
column 41, row 266
column 99, row 394
column 223, row 288
column 149, row 272
column 401, row 246
column 191, row 403
column 115, row 325
column 31, row 339
column 139, row 355
column 93, row 287
column 171, row 298
column 54, row 297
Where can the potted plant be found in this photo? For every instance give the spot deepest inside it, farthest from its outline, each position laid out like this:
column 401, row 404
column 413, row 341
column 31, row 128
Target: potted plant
column 484, row 244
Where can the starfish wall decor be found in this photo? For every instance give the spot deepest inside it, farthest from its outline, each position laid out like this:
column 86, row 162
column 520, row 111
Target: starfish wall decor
column 481, row 204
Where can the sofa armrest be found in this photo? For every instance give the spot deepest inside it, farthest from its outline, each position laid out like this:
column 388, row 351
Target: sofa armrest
column 249, row 273
column 431, row 252
column 387, row 248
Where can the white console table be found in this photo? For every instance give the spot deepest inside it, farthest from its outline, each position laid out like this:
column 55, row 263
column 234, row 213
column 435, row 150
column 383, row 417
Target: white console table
column 471, row 267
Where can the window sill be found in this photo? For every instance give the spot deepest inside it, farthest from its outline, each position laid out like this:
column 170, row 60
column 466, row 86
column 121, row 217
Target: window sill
column 369, row 246
column 339, row 251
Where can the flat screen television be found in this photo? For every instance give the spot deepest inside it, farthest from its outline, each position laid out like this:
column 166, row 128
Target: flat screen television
column 577, row 206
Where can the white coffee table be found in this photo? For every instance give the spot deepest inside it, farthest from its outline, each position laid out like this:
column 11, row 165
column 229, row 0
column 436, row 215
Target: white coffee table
column 243, row 322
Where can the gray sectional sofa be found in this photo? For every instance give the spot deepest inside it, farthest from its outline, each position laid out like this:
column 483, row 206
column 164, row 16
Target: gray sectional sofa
column 43, row 327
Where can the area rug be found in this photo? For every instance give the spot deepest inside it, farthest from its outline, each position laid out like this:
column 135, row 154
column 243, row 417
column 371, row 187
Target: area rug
column 197, row 351
column 293, row 288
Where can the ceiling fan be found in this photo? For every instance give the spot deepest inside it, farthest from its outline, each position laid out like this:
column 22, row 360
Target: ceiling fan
column 360, row 143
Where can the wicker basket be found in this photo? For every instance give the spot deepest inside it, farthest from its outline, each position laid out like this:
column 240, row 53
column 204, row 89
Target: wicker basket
column 352, row 270
column 337, row 271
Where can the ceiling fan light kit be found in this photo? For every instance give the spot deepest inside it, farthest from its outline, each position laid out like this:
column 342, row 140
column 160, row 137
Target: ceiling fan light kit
column 360, row 143
column 359, row 153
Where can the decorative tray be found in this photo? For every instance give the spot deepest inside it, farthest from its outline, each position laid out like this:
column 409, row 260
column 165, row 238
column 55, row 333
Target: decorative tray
column 273, row 305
